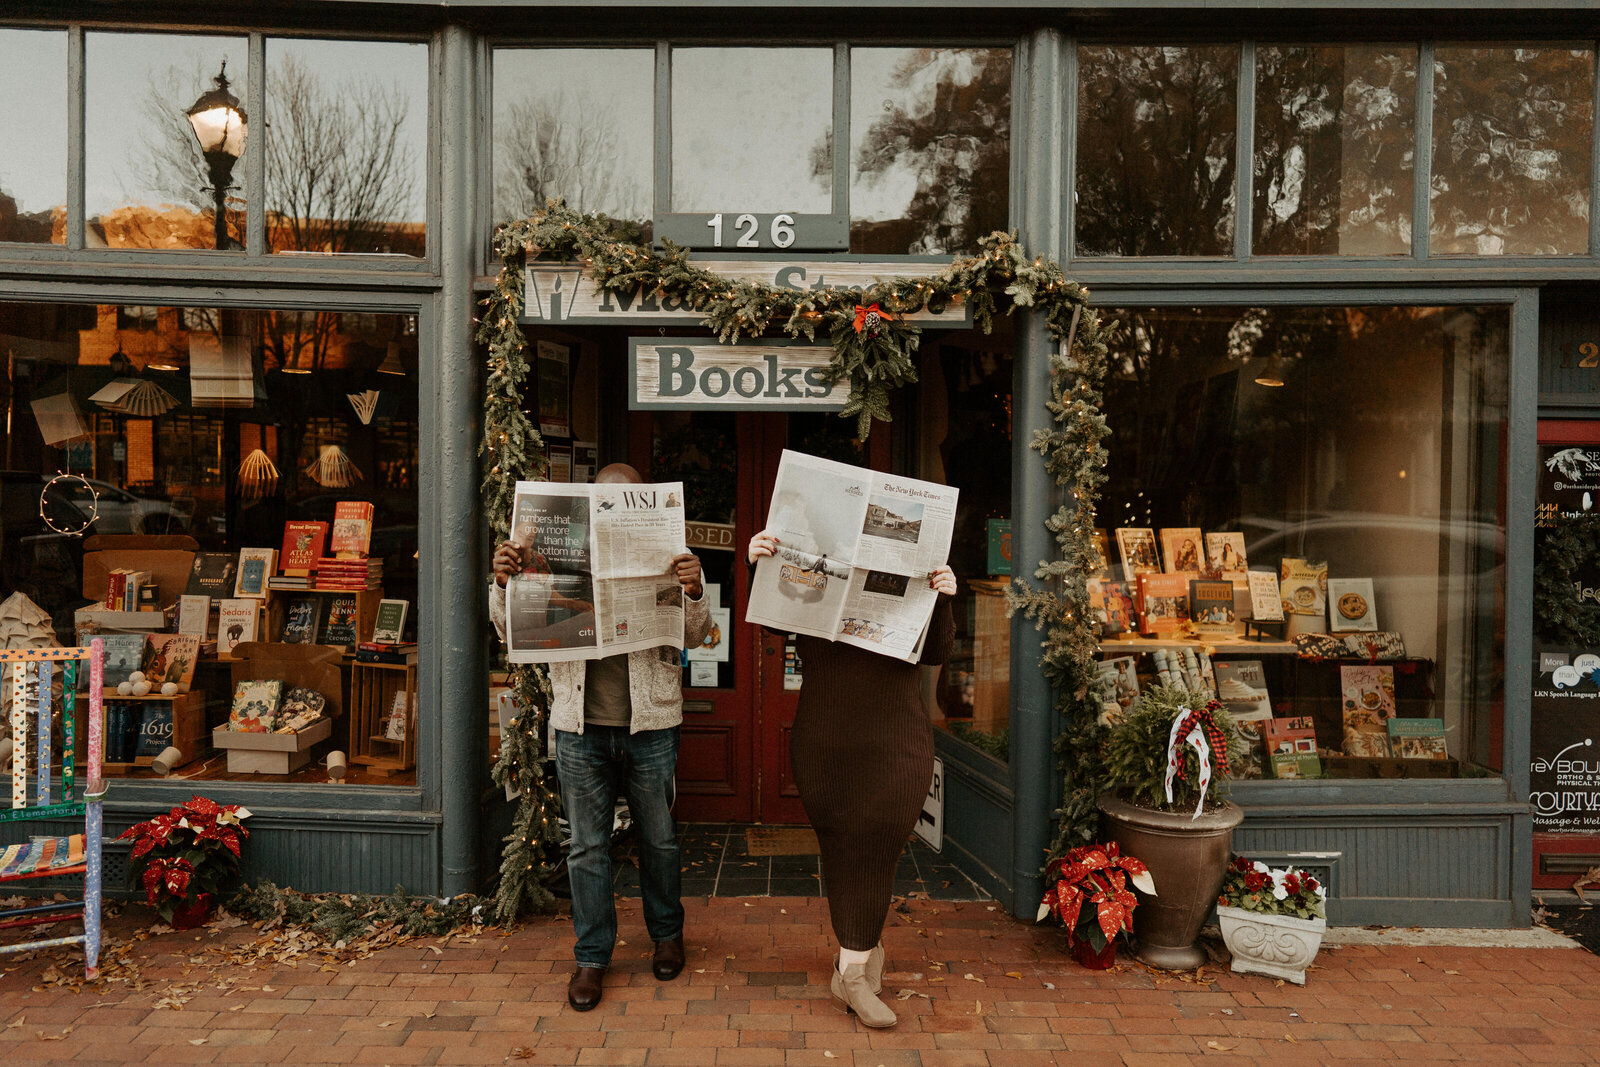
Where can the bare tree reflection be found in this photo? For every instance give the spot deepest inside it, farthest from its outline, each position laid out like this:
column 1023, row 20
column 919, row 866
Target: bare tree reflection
column 562, row 148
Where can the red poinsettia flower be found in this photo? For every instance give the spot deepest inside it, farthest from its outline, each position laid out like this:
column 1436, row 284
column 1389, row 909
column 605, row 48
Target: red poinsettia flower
column 203, row 806
column 169, row 875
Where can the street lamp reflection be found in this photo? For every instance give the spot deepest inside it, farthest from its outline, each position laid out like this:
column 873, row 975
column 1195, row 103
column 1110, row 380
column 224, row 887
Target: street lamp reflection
column 219, row 125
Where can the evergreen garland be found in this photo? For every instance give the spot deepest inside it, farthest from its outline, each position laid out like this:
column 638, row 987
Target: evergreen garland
column 1566, row 553
column 875, row 360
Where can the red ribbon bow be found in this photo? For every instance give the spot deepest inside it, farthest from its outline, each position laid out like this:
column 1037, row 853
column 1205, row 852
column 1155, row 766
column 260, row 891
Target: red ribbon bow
column 873, row 313
column 1204, row 721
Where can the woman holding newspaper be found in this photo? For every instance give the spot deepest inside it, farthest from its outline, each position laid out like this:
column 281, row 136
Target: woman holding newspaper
column 862, row 751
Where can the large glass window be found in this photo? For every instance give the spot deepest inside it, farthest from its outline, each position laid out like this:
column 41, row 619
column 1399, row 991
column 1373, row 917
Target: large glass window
column 33, row 136
column 268, row 462
column 752, row 130
column 1512, row 128
column 930, row 153
column 147, row 184
column 347, row 146
column 1156, row 136
column 1352, row 457
column 576, row 124
column 1333, row 149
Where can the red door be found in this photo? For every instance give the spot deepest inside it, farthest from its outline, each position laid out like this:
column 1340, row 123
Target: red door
column 733, row 762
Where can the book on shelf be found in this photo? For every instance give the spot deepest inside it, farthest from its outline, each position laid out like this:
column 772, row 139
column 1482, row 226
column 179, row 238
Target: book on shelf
column 1182, row 549
column 1137, row 546
column 211, row 574
column 352, row 528
column 255, row 567
column 289, row 581
column 155, row 728
column 1102, row 554
column 123, row 654
column 1211, row 607
column 194, row 615
column 255, row 705
column 1225, row 553
column 238, row 621
column 303, row 544
column 301, row 621
column 1367, row 700
column 124, row 586
column 1112, row 605
column 389, row 626
column 374, row 652
column 1291, row 746
column 1417, row 738
column 1266, row 599
column 339, row 622
column 1303, row 584
column 1242, row 686
column 1163, row 602
column 1351, row 607
column 170, row 658
column 394, row 725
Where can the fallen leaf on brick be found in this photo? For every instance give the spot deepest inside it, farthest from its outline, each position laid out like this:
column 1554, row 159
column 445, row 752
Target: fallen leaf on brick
column 1049, row 985
column 1014, row 974
column 238, row 1007
column 385, row 1026
column 1220, row 1047
column 1227, row 1011
column 197, row 1040
column 1452, row 972
column 977, row 1007
column 907, row 994
column 828, row 1054
column 20, row 1020
column 42, row 1036
column 969, row 976
column 1290, row 1038
column 269, row 989
column 520, row 1053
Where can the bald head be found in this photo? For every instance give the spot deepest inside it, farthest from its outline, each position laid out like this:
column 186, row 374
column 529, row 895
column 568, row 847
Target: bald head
column 616, row 473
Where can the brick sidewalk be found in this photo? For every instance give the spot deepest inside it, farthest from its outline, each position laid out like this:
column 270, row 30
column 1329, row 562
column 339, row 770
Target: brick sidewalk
column 978, row 989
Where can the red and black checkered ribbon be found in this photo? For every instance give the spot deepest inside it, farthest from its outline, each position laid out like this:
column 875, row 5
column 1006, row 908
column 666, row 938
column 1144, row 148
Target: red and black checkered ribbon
column 1205, row 721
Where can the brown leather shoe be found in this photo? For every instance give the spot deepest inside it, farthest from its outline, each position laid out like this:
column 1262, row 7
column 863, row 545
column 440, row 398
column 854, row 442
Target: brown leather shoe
column 583, row 992
column 669, row 959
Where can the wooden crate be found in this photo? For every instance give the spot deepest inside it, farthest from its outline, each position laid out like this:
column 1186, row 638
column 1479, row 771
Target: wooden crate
column 373, row 688
column 189, row 733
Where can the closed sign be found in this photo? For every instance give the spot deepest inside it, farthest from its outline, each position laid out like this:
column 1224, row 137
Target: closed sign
column 686, row 373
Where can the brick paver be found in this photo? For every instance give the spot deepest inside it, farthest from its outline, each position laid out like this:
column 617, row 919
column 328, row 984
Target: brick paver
column 973, row 988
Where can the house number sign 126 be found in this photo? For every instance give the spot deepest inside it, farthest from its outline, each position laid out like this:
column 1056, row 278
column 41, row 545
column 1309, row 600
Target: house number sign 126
column 754, row 231
column 746, row 227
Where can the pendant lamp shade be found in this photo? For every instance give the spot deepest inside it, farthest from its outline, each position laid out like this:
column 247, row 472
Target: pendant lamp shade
column 333, row 469
column 258, row 477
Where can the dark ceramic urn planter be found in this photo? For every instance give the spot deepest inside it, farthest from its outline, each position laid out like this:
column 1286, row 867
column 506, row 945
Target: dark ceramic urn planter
column 1188, row 859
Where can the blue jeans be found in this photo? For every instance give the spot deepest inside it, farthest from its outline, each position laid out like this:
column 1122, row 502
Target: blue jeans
column 594, row 768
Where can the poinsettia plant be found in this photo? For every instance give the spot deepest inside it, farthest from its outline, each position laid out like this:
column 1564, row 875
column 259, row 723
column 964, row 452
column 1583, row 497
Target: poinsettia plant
column 1253, row 886
column 183, row 858
column 1087, row 891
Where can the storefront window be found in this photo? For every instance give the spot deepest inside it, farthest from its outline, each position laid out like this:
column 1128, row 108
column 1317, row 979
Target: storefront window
column 33, row 136
column 752, row 130
column 1342, row 466
column 966, row 442
column 576, row 124
column 1512, row 128
column 347, row 146
column 146, row 183
column 1333, row 149
column 1156, row 135
column 266, row 463
column 930, row 153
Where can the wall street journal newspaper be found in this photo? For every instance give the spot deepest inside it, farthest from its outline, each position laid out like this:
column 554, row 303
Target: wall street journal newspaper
column 855, row 548
column 599, row 582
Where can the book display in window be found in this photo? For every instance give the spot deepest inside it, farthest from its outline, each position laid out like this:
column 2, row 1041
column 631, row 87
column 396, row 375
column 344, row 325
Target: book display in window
column 1304, row 585
column 1112, row 606
column 1182, row 549
column 1291, row 745
column 352, row 529
column 390, row 625
column 255, row 567
column 1242, row 686
column 238, row 621
column 1225, row 554
column 303, row 545
column 255, row 706
column 1350, row 605
column 1102, row 553
column 350, row 574
column 1266, row 598
column 124, row 654
column 171, row 658
column 1137, row 546
column 212, row 574
column 383, row 707
column 1164, row 602
column 339, row 623
column 1367, row 700
column 1417, row 739
column 1211, row 608
column 301, row 621
column 194, row 615
column 1119, row 679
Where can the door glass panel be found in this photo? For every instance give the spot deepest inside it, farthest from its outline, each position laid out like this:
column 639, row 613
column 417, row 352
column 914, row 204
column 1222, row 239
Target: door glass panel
column 33, row 136
column 1334, row 132
column 702, row 452
column 930, row 153
column 146, row 183
column 574, row 123
column 1511, row 150
column 752, row 130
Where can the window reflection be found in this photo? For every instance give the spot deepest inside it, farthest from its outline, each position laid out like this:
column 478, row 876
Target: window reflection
column 576, row 124
column 930, row 160
column 1156, row 131
column 1511, row 150
column 347, row 146
column 146, row 183
column 33, row 136
column 738, row 145
column 1334, row 133
column 1378, row 457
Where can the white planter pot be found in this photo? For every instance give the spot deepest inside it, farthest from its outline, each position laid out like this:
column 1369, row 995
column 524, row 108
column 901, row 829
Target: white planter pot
column 1276, row 945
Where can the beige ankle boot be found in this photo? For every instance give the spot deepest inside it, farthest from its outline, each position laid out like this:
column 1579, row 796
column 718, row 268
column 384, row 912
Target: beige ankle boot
column 875, row 968
column 853, row 991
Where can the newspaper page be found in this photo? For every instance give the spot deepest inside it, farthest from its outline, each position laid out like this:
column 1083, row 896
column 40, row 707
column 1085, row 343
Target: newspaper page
column 599, row 579
column 855, row 550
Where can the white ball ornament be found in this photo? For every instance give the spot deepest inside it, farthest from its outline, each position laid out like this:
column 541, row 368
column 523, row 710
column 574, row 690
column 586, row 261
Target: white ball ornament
column 169, row 688
column 136, row 677
column 141, row 689
column 124, row 689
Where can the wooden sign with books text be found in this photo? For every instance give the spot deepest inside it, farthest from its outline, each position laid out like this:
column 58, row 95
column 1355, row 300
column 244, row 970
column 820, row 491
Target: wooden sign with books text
column 690, row 373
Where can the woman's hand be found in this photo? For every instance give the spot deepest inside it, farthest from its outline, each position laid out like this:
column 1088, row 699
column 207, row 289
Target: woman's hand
column 686, row 568
column 762, row 544
column 509, row 560
column 943, row 581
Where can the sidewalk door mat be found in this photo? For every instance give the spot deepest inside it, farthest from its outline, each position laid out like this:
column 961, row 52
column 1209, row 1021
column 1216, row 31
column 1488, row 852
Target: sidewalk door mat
column 781, row 841
column 1581, row 922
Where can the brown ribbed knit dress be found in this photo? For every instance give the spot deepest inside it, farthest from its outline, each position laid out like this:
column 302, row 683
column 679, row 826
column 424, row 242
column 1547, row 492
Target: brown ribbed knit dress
column 862, row 750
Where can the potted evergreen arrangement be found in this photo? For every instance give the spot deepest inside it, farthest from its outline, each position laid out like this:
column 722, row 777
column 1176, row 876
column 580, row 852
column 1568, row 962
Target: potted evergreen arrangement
column 1166, row 759
column 1272, row 920
column 1087, row 891
column 185, row 857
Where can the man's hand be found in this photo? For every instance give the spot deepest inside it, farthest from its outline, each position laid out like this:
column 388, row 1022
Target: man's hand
column 943, row 581
column 509, row 560
column 686, row 568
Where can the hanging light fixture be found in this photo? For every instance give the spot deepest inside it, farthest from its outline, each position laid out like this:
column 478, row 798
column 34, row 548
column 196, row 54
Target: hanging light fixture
column 333, row 469
column 1272, row 374
column 391, row 361
column 258, row 477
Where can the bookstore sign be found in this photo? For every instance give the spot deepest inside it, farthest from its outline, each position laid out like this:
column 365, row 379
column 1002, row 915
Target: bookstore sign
column 699, row 374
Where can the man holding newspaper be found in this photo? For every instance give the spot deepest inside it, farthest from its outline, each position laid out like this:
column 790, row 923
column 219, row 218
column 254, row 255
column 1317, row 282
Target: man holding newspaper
column 596, row 581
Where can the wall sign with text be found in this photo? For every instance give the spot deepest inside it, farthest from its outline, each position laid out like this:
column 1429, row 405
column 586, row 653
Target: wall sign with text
column 752, row 231
column 686, row 373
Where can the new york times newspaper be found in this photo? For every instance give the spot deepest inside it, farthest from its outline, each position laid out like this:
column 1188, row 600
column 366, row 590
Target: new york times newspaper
column 599, row 579
column 855, row 548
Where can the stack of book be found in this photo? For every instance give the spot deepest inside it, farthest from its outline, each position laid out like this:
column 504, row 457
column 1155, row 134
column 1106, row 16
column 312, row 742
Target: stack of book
column 383, row 652
column 289, row 581
column 347, row 574
column 123, row 587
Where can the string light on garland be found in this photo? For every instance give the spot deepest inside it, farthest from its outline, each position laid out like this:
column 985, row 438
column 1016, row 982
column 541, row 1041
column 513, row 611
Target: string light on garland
column 94, row 505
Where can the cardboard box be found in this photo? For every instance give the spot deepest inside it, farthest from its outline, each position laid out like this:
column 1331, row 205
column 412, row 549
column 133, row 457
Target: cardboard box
column 270, row 753
column 168, row 558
